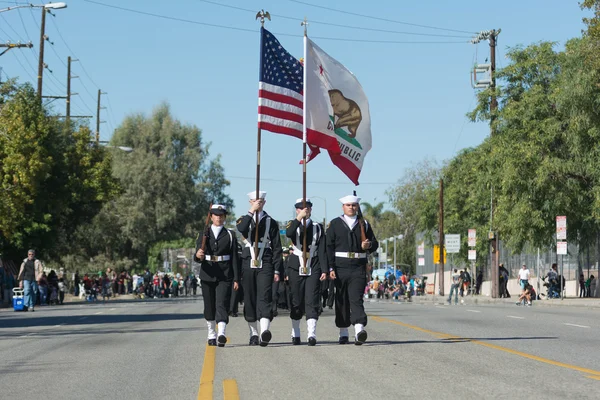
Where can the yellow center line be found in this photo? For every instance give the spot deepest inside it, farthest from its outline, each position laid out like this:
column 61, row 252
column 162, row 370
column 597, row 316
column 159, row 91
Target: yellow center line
column 207, row 377
column 230, row 390
column 495, row 347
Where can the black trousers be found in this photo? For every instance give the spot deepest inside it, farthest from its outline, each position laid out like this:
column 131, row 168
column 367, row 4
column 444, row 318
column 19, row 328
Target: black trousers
column 349, row 292
column 258, row 291
column 275, row 295
column 327, row 292
column 305, row 291
column 216, row 296
column 236, row 296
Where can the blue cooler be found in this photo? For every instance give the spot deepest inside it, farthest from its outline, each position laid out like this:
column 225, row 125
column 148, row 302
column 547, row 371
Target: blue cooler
column 18, row 299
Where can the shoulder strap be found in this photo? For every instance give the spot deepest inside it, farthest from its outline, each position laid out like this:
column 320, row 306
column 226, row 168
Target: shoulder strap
column 230, row 238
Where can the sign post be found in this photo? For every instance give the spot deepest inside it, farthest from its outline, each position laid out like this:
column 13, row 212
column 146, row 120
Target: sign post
column 561, row 247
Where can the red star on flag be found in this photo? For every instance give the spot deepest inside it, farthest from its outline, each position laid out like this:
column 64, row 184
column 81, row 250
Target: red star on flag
column 321, row 70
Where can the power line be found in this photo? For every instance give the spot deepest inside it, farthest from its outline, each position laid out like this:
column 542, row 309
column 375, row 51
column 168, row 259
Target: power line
column 255, row 30
column 309, row 181
column 379, row 18
column 333, row 24
column 73, row 54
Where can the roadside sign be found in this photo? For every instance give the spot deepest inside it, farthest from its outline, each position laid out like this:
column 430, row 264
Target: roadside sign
column 561, row 248
column 472, row 238
column 452, row 243
column 282, row 231
column 421, row 249
column 561, row 228
column 421, row 261
column 436, row 254
column 472, row 254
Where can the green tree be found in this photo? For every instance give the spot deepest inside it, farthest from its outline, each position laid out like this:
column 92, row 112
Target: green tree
column 51, row 180
column 168, row 182
column 415, row 201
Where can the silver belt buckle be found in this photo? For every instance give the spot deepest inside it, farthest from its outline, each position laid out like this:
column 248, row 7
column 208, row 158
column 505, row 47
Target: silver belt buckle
column 351, row 255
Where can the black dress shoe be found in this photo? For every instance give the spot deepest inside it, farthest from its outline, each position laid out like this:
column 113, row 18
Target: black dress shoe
column 295, row 341
column 222, row 339
column 312, row 341
column 361, row 338
column 212, row 342
column 331, row 307
column 253, row 340
column 234, row 314
column 275, row 313
column 265, row 338
column 343, row 340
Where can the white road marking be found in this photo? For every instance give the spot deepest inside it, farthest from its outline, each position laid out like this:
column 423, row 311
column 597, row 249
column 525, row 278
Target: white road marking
column 578, row 326
column 99, row 312
column 512, row 316
column 112, row 309
column 473, row 311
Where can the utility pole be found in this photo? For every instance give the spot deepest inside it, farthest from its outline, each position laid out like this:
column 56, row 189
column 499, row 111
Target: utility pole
column 493, row 237
column 441, row 238
column 100, row 93
column 68, row 119
column 41, row 57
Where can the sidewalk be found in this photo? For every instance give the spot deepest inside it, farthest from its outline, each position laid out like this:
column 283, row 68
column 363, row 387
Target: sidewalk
column 589, row 302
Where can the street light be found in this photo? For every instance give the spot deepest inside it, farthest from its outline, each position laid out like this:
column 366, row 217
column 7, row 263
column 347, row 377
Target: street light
column 325, row 209
column 51, row 6
column 396, row 237
column 123, row 148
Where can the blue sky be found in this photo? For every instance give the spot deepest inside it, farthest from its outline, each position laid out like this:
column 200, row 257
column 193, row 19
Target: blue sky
column 418, row 92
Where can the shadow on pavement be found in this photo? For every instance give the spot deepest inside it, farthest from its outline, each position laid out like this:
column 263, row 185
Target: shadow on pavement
column 32, row 320
column 49, row 334
column 404, row 342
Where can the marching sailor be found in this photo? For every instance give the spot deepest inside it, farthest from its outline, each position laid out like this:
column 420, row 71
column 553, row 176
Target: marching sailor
column 219, row 267
column 305, row 271
column 261, row 264
column 349, row 239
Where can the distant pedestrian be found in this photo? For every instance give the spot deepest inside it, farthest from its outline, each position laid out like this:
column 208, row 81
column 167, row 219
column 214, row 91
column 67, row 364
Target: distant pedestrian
column 29, row 274
column 62, row 287
column 455, row 286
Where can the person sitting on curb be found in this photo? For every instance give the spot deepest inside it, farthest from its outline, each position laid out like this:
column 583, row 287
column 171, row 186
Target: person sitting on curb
column 527, row 294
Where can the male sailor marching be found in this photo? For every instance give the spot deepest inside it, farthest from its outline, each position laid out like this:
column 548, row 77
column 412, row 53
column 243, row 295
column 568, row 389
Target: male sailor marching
column 305, row 271
column 261, row 264
column 349, row 239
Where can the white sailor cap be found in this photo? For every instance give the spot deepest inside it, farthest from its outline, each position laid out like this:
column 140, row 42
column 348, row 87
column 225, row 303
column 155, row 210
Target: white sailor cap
column 299, row 203
column 261, row 195
column 350, row 199
column 218, row 209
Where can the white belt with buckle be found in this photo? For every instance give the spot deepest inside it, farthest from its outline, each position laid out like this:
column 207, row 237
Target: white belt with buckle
column 260, row 245
column 350, row 255
column 218, row 258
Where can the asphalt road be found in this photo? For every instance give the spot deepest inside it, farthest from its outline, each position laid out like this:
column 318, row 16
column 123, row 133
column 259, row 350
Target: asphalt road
column 156, row 349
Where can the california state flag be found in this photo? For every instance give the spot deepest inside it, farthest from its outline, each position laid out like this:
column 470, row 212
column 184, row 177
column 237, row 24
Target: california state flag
column 335, row 106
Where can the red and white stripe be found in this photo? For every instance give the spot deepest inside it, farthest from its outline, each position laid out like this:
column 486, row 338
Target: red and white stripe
column 280, row 110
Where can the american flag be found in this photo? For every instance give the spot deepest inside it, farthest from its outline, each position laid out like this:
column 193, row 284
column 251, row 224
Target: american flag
column 280, row 88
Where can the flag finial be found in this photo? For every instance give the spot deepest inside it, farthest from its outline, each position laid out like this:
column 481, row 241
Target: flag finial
column 262, row 14
column 304, row 24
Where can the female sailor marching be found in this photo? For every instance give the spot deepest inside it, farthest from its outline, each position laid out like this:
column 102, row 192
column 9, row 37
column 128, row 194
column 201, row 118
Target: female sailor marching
column 219, row 267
